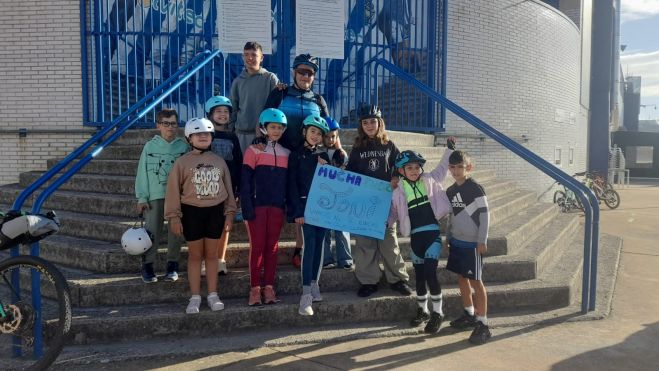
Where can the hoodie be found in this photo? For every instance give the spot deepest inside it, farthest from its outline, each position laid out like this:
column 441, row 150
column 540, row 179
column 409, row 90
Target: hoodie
column 158, row 157
column 248, row 96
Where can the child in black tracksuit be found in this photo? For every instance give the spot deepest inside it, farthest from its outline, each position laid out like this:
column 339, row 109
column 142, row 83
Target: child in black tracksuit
column 301, row 169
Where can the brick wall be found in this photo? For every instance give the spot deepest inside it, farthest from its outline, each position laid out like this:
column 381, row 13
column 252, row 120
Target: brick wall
column 40, row 80
column 516, row 65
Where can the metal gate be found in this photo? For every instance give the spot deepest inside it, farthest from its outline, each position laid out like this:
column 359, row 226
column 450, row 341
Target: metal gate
column 130, row 46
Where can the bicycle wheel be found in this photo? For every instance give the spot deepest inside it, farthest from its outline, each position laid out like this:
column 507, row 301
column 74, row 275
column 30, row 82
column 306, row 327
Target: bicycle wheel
column 611, row 198
column 558, row 195
column 17, row 341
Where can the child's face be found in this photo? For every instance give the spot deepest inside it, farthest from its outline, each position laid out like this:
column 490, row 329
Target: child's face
column 252, row 59
column 220, row 117
column 411, row 171
column 330, row 140
column 459, row 171
column 274, row 130
column 313, row 135
column 201, row 140
column 370, row 127
column 168, row 127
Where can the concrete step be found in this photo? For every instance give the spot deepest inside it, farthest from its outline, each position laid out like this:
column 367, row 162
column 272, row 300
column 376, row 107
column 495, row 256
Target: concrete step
column 124, row 323
column 115, row 184
column 105, row 167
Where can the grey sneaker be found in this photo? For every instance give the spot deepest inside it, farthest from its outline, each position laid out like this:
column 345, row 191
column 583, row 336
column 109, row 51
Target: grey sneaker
column 172, row 272
column 193, row 305
column 214, row 302
column 305, row 305
column 315, row 292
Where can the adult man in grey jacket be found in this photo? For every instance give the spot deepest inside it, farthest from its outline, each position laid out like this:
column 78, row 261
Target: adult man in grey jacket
column 249, row 92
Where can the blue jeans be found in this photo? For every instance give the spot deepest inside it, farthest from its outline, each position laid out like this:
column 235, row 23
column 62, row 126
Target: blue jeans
column 312, row 254
column 343, row 255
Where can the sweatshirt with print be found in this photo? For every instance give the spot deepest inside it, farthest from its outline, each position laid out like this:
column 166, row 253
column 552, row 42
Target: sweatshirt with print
column 470, row 218
column 376, row 160
column 201, row 180
column 156, row 161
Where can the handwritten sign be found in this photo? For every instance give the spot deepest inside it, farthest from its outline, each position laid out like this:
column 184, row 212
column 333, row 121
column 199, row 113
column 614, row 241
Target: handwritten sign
column 349, row 202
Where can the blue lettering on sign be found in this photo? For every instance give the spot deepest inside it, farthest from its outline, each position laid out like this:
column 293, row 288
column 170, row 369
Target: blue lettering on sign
column 340, row 175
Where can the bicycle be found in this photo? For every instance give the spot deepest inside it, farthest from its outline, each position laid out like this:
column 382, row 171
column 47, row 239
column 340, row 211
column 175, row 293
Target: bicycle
column 567, row 200
column 602, row 189
column 24, row 328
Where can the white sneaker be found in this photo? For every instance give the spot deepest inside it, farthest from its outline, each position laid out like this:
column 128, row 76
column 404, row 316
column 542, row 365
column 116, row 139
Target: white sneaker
column 214, row 302
column 222, row 267
column 193, row 305
column 315, row 292
column 305, row 305
column 203, row 268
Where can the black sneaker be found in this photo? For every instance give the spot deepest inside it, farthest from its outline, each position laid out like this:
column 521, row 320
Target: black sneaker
column 435, row 322
column 481, row 334
column 367, row 290
column 402, row 288
column 465, row 322
column 421, row 317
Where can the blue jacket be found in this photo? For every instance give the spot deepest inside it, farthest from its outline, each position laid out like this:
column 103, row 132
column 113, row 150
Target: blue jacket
column 301, row 170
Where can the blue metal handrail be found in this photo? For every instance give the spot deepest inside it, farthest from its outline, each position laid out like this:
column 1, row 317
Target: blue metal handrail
column 197, row 63
column 587, row 197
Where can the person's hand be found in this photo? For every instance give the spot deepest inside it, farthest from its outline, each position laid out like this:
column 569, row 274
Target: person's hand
column 394, row 182
column 299, row 220
column 481, row 248
column 141, row 207
column 450, row 143
column 322, row 161
column 176, row 227
column 281, row 86
column 228, row 223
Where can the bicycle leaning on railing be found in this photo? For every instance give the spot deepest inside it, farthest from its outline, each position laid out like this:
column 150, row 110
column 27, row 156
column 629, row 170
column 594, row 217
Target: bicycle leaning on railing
column 34, row 296
column 604, row 191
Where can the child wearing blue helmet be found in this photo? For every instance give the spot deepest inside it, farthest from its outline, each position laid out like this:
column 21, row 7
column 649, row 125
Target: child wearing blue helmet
column 226, row 145
column 339, row 158
column 301, row 170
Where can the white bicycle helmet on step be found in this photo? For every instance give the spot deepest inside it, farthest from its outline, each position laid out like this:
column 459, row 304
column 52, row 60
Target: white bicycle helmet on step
column 136, row 241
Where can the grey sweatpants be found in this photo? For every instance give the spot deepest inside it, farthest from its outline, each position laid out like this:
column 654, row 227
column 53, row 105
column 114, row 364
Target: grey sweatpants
column 154, row 222
column 367, row 254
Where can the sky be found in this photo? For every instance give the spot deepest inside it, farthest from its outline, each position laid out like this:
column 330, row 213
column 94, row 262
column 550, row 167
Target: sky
column 639, row 31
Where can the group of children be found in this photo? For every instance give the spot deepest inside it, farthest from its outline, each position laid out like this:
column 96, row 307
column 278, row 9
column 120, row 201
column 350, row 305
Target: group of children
column 195, row 186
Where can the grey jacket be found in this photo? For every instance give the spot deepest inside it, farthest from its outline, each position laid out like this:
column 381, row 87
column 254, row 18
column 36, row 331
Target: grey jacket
column 248, row 96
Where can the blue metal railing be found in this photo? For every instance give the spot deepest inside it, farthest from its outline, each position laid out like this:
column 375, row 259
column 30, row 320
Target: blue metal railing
column 587, row 197
column 164, row 90
column 128, row 47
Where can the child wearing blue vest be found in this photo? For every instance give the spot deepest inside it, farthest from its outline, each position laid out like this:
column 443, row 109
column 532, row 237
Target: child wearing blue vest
column 301, row 170
column 417, row 204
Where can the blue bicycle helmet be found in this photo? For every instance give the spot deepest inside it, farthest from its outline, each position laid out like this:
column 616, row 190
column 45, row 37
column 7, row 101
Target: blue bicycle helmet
column 332, row 124
column 317, row 121
column 272, row 115
column 215, row 101
column 307, row 60
column 409, row 157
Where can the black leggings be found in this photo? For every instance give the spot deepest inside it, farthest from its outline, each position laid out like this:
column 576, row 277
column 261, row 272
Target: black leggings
column 426, row 273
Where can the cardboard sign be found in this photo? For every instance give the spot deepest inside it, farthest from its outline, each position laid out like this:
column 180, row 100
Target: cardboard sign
column 349, row 202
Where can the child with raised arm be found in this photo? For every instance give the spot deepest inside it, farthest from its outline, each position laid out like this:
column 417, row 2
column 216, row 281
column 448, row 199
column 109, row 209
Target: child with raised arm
column 200, row 205
column 302, row 167
column 225, row 144
column 467, row 237
column 157, row 159
column 263, row 198
column 417, row 204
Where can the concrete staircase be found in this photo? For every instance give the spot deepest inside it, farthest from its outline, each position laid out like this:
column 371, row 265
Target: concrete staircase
column 533, row 264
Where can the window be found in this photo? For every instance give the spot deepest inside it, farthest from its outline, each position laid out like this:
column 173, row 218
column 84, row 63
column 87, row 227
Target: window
column 639, row 157
column 557, row 156
column 570, row 157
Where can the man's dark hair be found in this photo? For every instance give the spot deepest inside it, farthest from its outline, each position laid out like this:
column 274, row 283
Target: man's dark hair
column 253, row 45
column 459, row 157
